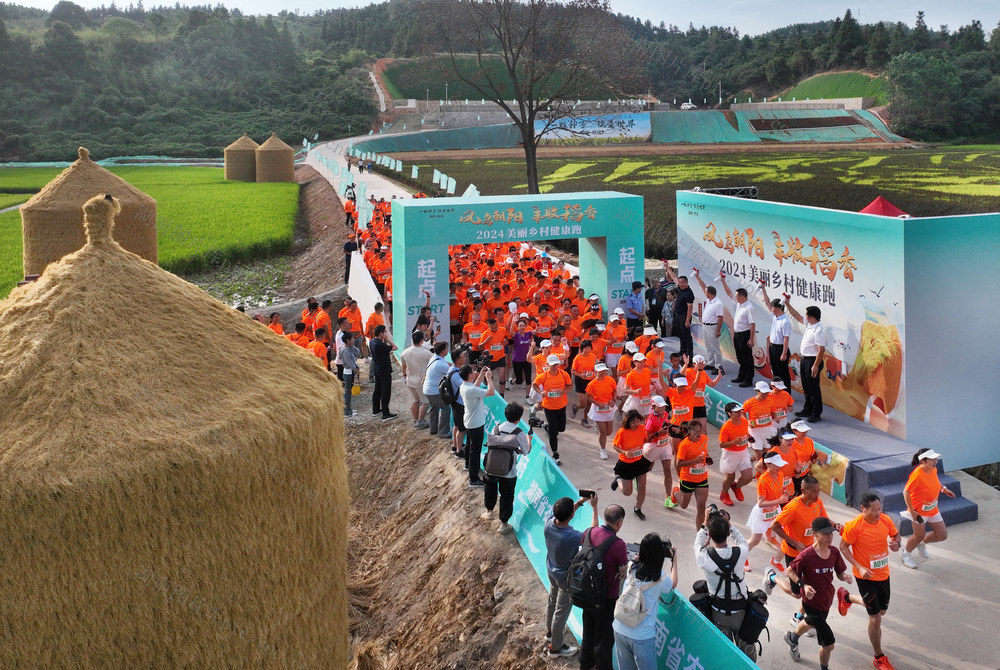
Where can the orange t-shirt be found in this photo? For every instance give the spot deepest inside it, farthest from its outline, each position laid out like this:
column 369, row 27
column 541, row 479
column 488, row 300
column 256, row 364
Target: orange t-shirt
column 598, row 345
column 796, row 520
column 573, row 334
column 277, row 328
column 697, row 380
column 318, row 350
column 631, row 441
column 788, row 470
column 494, row 342
column 682, row 405
column 639, row 380
column 758, row 412
column 323, row 321
column 300, row 340
column 924, row 488
column 474, row 333
column 553, row 388
column 624, row 364
column 654, row 360
column 603, row 392
column 687, row 450
column 383, row 269
column 561, row 351
column 545, row 325
column 770, row 487
column 870, row 544
column 310, row 321
column 374, row 319
column 731, row 431
column 583, row 366
column 618, row 335
column 803, row 455
column 353, row 317
column 781, row 402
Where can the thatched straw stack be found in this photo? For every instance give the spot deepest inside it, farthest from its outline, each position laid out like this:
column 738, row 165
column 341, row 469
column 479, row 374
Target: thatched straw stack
column 241, row 160
column 52, row 221
column 169, row 496
column 275, row 161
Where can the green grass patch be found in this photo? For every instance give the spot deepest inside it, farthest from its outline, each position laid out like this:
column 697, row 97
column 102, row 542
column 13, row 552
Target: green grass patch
column 841, row 85
column 11, row 199
column 915, row 181
column 426, row 77
column 26, row 180
column 203, row 221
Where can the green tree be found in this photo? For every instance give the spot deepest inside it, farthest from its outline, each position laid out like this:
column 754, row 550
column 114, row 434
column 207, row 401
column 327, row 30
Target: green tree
column 64, row 48
column 848, row 41
column 69, row 13
column 898, row 40
column 920, row 38
column 878, row 47
column 924, row 92
column 969, row 39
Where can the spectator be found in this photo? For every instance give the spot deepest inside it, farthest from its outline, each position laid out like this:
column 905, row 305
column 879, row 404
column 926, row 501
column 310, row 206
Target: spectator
column 634, row 309
column 349, row 248
column 504, row 486
column 415, row 360
column 712, row 316
column 439, row 412
column 474, row 399
column 458, row 360
column 635, row 646
column 813, row 349
column 777, row 339
column 682, row 311
column 561, row 544
column 381, row 348
column 349, row 357
column 598, row 634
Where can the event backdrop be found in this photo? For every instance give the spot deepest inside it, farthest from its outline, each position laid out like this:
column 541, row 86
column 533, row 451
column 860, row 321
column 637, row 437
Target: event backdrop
column 848, row 264
column 608, row 224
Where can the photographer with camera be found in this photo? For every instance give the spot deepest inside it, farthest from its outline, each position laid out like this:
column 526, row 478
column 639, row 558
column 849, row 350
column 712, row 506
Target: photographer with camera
column 635, row 610
column 723, row 567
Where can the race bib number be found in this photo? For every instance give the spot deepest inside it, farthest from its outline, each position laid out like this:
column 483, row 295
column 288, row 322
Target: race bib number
column 698, row 470
column 762, row 421
column 681, row 410
column 496, row 347
column 771, row 514
column 787, row 483
column 743, row 441
column 474, row 335
column 554, row 394
column 809, row 531
column 454, row 322
column 588, row 374
column 634, row 453
column 603, row 408
column 927, row 507
column 699, row 393
column 663, row 441
column 780, row 414
column 880, row 561
column 645, row 401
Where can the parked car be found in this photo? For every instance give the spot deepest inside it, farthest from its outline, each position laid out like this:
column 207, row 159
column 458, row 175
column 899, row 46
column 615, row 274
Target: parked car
column 687, row 106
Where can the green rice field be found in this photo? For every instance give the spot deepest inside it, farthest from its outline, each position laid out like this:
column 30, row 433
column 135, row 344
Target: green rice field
column 203, row 221
column 932, row 182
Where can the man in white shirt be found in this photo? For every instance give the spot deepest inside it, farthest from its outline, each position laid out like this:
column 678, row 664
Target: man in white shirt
column 811, row 366
column 414, row 360
column 711, row 325
column 777, row 340
column 744, row 333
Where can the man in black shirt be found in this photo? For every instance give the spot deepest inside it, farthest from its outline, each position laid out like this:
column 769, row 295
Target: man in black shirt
column 683, row 308
column 381, row 348
column 349, row 248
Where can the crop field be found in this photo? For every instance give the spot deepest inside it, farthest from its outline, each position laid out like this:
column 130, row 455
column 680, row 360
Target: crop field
column 841, row 85
column 203, row 221
column 11, row 199
column 936, row 182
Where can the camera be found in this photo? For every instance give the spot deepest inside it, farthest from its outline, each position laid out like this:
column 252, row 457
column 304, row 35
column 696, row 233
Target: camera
column 713, row 510
column 668, row 549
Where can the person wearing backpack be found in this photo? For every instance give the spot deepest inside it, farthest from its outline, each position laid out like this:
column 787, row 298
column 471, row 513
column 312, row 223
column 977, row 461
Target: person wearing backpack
column 723, row 567
column 609, row 556
column 505, row 441
column 439, row 414
column 561, row 544
column 635, row 611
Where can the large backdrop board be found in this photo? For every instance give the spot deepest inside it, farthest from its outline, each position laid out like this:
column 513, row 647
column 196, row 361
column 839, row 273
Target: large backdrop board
column 867, row 274
column 608, row 224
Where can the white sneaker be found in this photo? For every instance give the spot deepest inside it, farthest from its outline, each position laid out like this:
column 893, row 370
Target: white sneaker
column 907, row 559
column 504, row 528
column 488, row 515
column 604, row 454
column 922, row 550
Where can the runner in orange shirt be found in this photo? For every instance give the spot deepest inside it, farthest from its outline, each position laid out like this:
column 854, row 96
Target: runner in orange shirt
column 921, row 496
column 616, row 334
column 758, row 412
column 553, row 385
column 658, row 445
column 865, row 543
column 794, row 526
column 782, row 444
column 625, row 360
column 559, row 347
column 781, row 402
column 354, row 316
column 698, row 379
column 472, row 334
column 583, row 374
column 734, row 441
column 770, row 497
column 681, row 401
column 806, row 453
column 275, row 323
column 631, row 463
column 545, row 323
column 692, row 463
column 601, row 396
column 638, row 386
column 494, row 343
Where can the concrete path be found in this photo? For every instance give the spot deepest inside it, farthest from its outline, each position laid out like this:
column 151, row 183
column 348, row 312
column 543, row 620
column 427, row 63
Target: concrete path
column 377, row 185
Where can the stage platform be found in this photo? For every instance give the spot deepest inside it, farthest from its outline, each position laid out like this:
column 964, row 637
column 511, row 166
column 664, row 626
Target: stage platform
column 877, row 461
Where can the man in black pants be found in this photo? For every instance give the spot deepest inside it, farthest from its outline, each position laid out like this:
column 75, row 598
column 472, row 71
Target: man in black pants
column 503, row 487
column 812, row 350
column 744, row 333
column 683, row 308
column 381, row 348
column 777, row 341
column 349, row 248
column 598, row 637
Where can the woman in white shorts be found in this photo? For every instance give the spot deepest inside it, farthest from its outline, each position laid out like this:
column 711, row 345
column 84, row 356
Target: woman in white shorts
column 770, row 497
column 601, row 394
column 658, row 446
column 921, row 497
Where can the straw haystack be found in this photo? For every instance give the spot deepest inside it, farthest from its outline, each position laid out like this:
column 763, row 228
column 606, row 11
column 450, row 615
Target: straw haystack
column 52, row 221
column 241, row 160
column 169, row 496
column 275, row 161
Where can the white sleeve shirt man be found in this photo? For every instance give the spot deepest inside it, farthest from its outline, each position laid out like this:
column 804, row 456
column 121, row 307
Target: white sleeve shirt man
column 743, row 319
column 813, row 339
column 780, row 329
column 711, row 313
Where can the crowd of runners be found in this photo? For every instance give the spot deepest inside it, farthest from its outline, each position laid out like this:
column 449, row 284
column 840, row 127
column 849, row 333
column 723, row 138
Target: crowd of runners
column 520, row 326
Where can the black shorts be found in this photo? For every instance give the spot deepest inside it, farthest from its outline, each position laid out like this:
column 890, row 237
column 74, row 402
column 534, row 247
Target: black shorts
column 817, row 619
column 875, row 594
column 632, row 470
column 689, row 487
column 496, row 365
column 580, row 384
column 456, row 330
column 699, row 413
column 796, row 589
column 458, row 415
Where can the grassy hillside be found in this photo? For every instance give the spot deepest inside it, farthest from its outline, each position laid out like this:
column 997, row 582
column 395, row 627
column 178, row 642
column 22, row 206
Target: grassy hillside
column 841, row 85
column 422, row 78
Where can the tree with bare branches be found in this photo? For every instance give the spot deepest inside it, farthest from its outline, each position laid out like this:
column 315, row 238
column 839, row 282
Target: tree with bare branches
column 536, row 59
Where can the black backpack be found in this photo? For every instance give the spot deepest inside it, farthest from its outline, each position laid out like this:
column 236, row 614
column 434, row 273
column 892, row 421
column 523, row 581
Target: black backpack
column 726, row 570
column 501, row 453
column 587, row 586
column 444, row 388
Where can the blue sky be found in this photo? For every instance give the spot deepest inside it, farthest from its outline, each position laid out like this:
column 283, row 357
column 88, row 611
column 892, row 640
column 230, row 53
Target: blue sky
column 748, row 16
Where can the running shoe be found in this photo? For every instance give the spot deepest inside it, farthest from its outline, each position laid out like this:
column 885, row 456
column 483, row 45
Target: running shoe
column 504, row 528
column 389, row 417
column 738, row 492
column 488, row 515
column 726, row 500
column 669, row 503
column 565, row 651
column 585, row 423
column 843, row 601
column 604, row 454
column 476, row 484
column 573, row 411
column 768, row 582
column 777, row 565
column 882, row 663
column 793, row 647
column 922, row 550
column 907, row 559
column 614, row 484
column 675, row 494
column 746, row 566
column 638, row 513
column 797, row 618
